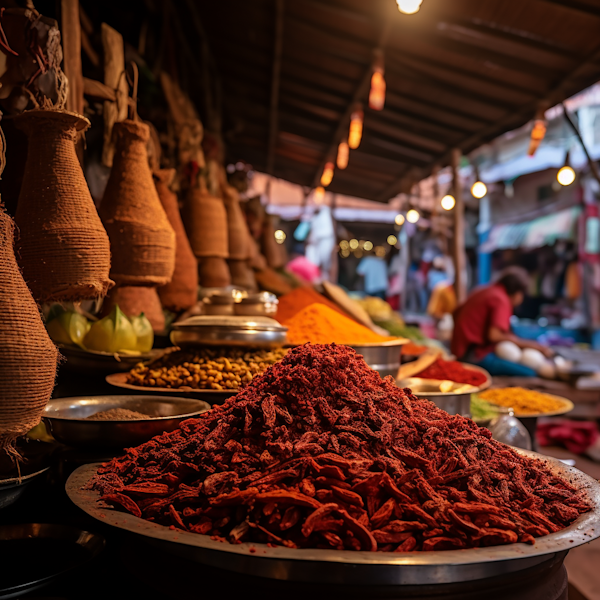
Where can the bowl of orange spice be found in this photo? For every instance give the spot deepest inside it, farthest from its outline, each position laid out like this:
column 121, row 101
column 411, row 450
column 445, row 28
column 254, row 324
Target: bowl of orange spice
column 320, row 324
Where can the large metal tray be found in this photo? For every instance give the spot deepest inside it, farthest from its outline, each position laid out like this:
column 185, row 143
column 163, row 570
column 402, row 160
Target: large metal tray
column 361, row 568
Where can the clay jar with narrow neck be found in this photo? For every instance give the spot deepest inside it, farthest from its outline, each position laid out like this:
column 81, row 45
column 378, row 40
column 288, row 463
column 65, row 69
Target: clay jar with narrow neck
column 63, row 247
column 142, row 240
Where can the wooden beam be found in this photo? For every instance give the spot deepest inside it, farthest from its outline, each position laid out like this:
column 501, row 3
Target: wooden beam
column 98, row 90
column 460, row 257
column 114, row 78
column 359, row 94
column 275, row 79
column 71, row 38
column 580, row 7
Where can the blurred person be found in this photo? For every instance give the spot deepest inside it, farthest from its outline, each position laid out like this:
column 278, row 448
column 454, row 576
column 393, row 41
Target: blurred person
column 483, row 321
column 374, row 270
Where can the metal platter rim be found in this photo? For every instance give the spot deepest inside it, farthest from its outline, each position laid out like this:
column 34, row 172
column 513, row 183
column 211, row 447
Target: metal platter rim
column 583, row 530
column 117, row 380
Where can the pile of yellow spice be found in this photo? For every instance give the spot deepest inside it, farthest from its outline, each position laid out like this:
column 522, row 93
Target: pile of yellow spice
column 522, row 401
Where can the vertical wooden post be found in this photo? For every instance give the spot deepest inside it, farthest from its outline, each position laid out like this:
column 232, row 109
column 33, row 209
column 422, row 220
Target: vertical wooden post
column 114, row 78
column 459, row 254
column 71, row 39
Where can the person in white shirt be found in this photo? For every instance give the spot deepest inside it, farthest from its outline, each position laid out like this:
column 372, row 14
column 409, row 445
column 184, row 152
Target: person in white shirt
column 374, row 270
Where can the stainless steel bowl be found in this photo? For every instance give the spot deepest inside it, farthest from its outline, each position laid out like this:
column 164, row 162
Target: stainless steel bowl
column 12, row 489
column 383, row 358
column 66, row 419
column 212, row 330
column 453, row 397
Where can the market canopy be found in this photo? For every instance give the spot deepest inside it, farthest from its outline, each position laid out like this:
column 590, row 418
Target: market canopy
column 458, row 74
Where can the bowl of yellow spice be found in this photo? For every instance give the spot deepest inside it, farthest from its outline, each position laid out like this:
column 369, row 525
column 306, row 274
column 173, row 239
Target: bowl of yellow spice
column 320, row 324
column 527, row 403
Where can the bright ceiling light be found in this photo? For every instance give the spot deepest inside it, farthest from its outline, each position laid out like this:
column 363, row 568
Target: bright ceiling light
column 412, row 216
column 327, row 174
column 353, row 244
column 368, row 246
column 409, row 7
column 356, row 128
column 392, row 240
column 566, row 176
column 479, row 189
column 342, row 155
column 448, row 202
column 280, row 236
column 399, row 220
column 319, row 194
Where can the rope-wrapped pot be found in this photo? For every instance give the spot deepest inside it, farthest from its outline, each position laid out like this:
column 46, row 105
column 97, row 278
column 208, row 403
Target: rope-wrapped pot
column 141, row 238
column 213, row 272
column 237, row 228
column 205, row 220
column 271, row 249
column 133, row 300
column 181, row 292
column 242, row 275
column 27, row 355
column 63, row 247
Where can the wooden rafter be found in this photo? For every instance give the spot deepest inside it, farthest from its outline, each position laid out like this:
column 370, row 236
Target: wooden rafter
column 275, row 79
column 580, row 7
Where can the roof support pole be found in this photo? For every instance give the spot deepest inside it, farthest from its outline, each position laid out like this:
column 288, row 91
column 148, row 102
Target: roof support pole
column 591, row 163
column 275, row 79
column 459, row 254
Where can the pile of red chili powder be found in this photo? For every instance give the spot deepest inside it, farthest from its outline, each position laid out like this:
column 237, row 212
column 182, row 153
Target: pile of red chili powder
column 320, row 452
column 454, row 371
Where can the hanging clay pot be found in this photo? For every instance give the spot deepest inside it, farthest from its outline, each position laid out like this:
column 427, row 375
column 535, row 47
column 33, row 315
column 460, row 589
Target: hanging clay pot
column 181, row 292
column 142, row 240
column 213, row 272
column 271, row 249
column 242, row 275
column 63, row 248
column 27, row 355
column 205, row 220
column 257, row 261
column 133, row 300
column 237, row 228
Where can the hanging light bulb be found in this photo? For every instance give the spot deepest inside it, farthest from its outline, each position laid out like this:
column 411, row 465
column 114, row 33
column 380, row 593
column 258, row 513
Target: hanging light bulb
column 377, row 93
column 537, row 135
column 319, row 194
column 479, row 189
column 356, row 127
column 399, row 220
column 412, row 216
column 448, row 202
column 566, row 175
column 327, row 174
column 409, row 7
column 342, row 155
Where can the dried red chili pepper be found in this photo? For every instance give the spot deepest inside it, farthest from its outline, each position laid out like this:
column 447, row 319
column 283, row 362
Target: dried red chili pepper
column 454, row 371
column 321, row 452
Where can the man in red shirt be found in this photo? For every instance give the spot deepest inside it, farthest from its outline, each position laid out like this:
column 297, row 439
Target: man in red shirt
column 484, row 320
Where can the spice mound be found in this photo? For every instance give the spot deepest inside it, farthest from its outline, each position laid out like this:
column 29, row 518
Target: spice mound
column 117, row 414
column 522, row 401
column 453, row 371
column 204, row 369
column 320, row 452
column 320, row 324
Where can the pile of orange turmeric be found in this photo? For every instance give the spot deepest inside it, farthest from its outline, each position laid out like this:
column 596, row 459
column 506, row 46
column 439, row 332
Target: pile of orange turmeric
column 320, row 324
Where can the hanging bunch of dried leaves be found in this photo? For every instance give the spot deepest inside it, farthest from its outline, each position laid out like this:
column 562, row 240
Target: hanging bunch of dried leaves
column 63, row 248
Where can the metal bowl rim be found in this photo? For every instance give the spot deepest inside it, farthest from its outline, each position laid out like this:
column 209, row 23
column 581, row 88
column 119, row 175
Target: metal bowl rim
column 114, row 379
column 583, row 530
column 204, row 409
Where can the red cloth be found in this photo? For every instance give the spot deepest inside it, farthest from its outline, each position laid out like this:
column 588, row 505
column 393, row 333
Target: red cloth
column 575, row 436
column 486, row 307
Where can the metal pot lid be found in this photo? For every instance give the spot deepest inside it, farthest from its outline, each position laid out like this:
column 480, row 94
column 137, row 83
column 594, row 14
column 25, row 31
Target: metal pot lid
column 229, row 322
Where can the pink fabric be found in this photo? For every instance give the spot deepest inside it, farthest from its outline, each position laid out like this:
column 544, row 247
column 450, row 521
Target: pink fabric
column 575, row 436
column 304, row 269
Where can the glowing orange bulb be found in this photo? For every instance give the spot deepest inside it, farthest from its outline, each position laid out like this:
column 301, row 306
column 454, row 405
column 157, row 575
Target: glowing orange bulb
column 356, row 127
column 377, row 93
column 343, row 155
column 327, row 174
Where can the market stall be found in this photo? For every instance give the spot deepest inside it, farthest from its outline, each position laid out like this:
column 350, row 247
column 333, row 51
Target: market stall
column 185, row 410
